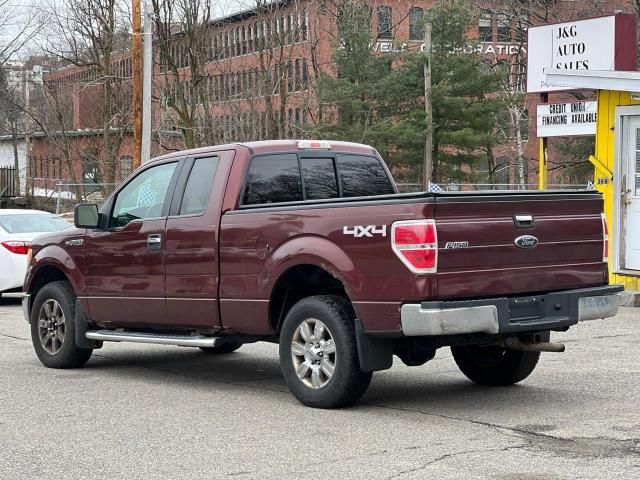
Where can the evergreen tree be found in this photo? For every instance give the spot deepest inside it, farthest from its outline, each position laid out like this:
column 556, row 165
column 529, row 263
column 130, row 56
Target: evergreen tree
column 379, row 98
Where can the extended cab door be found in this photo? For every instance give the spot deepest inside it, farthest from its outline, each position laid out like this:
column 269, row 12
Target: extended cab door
column 191, row 250
column 125, row 259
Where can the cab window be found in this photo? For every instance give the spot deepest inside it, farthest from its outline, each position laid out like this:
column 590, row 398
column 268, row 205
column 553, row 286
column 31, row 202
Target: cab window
column 273, row 179
column 143, row 197
column 363, row 176
column 198, row 189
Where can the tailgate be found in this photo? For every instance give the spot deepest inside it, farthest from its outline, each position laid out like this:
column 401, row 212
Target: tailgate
column 478, row 255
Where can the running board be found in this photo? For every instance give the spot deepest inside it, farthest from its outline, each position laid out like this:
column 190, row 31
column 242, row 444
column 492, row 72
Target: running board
column 157, row 338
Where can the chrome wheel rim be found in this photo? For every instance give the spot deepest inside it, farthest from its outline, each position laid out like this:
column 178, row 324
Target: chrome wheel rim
column 313, row 353
column 51, row 326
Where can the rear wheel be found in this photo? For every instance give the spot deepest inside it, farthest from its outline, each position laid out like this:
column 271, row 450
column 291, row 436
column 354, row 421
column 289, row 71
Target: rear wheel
column 318, row 353
column 226, row 347
column 53, row 327
column 494, row 366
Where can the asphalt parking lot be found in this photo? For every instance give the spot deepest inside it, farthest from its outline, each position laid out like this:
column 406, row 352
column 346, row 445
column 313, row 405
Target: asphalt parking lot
column 147, row 412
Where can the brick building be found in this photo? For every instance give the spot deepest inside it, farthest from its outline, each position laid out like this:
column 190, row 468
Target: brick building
column 249, row 87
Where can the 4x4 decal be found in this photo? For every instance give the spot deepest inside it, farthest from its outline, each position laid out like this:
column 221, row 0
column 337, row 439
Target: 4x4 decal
column 359, row 231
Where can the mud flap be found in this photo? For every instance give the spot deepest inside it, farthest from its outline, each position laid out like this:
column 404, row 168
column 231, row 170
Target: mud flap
column 81, row 329
column 374, row 353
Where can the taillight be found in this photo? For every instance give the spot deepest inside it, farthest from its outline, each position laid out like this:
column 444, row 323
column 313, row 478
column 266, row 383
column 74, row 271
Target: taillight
column 415, row 242
column 605, row 239
column 20, row 248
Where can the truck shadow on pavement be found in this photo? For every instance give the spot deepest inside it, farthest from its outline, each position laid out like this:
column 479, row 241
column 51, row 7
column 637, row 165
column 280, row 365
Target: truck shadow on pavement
column 442, row 389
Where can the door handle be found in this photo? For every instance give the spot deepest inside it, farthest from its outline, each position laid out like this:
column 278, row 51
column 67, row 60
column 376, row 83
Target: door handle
column 154, row 242
column 523, row 221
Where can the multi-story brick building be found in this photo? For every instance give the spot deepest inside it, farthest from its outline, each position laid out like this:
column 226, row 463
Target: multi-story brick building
column 256, row 81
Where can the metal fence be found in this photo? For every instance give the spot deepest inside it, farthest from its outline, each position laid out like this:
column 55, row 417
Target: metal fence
column 50, row 194
column 479, row 187
column 82, row 192
column 7, row 182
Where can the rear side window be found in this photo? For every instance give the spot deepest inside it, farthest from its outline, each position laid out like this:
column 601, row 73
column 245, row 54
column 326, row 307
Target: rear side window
column 273, row 179
column 198, row 189
column 319, row 176
column 363, row 176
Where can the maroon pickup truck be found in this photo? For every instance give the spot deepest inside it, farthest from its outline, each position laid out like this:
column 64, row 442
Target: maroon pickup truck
column 308, row 244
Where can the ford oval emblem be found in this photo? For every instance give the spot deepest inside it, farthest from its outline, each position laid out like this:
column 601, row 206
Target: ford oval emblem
column 526, row 241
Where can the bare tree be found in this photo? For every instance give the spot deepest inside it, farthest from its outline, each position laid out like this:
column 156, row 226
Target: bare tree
column 516, row 16
column 18, row 26
column 93, row 36
column 182, row 43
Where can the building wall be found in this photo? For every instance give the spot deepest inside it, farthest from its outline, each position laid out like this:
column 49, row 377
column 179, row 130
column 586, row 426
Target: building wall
column 239, row 114
column 7, row 158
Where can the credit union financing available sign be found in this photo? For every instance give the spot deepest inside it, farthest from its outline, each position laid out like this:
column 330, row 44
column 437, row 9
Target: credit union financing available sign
column 565, row 119
column 604, row 43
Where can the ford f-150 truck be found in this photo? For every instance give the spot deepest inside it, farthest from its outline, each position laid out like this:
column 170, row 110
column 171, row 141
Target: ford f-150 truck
column 309, row 244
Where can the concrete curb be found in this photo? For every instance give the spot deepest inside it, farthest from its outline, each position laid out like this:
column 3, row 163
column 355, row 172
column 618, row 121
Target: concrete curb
column 630, row 298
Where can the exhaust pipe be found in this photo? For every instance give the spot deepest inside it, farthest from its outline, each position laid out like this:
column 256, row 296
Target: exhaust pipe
column 513, row 343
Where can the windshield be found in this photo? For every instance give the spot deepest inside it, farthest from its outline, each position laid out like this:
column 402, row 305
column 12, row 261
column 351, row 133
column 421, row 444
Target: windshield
column 32, row 223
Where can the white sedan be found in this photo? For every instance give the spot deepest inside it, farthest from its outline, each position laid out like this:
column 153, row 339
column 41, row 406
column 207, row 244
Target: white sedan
column 17, row 229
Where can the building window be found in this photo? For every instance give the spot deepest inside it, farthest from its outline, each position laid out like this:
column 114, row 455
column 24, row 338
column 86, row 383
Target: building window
column 305, row 25
column 290, row 76
column 384, row 22
column 415, row 24
column 486, row 27
column 298, row 75
column 126, row 167
column 305, row 75
column 524, row 125
column 504, row 29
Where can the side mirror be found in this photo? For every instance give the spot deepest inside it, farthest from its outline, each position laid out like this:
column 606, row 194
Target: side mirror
column 85, row 215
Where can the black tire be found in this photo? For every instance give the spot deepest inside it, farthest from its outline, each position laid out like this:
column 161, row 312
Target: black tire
column 226, row 347
column 494, row 366
column 347, row 383
column 68, row 355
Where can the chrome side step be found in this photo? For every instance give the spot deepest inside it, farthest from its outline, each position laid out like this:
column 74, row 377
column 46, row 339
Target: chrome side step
column 135, row 337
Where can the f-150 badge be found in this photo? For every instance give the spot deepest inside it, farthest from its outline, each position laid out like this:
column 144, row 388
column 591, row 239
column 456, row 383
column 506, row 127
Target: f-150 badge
column 450, row 245
column 76, row 242
column 359, row 231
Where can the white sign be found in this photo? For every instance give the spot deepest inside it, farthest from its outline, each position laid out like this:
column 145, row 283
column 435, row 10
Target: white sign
column 566, row 119
column 581, row 45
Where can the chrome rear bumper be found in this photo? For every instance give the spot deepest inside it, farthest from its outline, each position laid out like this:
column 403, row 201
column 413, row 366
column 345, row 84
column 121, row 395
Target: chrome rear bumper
column 551, row 311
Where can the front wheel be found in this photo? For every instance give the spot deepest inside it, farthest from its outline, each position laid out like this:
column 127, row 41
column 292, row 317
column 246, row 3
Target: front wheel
column 494, row 366
column 318, row 353
column 53, row 327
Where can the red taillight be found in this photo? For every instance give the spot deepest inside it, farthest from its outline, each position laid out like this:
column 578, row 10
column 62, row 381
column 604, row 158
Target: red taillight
column 605, row 239
column 20, row 248
column 415, row 242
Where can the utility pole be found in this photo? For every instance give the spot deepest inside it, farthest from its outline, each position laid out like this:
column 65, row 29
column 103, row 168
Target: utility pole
column 428, row 142
column 147, row 84
column 136, row 54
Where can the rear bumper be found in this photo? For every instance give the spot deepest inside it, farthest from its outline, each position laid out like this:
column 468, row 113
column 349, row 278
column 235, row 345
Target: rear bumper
column 551, row 311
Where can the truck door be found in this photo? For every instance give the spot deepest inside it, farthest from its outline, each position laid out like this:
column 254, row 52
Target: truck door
column 125, row 261
column 191, row 255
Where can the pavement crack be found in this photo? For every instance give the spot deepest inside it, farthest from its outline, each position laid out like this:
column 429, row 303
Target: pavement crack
column 14, row 337
column 572, row 446
column 447, row 456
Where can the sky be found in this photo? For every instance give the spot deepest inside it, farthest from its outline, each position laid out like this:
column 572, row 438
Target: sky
column 21, row 9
